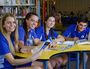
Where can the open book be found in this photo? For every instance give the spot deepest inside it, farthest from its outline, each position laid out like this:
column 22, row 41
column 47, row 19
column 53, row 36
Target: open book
column 67, row 42
column 82, row 42
column 39, row 48
column 65, row 45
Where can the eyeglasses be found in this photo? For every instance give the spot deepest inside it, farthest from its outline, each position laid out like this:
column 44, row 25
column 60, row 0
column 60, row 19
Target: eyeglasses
column 33, row 21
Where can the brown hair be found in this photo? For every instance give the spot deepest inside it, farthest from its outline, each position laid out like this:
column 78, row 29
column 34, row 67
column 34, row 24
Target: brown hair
column 15, row 33
column 25, row 24
column 51, row 30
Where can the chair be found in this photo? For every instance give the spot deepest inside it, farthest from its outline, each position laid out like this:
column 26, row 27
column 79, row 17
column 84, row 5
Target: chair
column 1, row 61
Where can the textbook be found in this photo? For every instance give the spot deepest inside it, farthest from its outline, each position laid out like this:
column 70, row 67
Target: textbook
column 82, row 42
column 64, row 45
column 67, row 43
column 39, row 48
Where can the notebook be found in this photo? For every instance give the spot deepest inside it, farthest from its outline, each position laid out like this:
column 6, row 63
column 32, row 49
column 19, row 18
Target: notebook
column 82, row 42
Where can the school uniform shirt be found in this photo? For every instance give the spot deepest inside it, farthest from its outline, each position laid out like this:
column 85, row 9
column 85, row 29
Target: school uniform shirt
column 73, row 32
column 4, row 49
column 30, row 40
column 42, row 34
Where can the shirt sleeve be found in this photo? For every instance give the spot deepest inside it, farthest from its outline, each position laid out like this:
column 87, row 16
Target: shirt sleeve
column 55, row 34
column 39, row 32
column 21, row 33
column 68, row 31
column 4, row 47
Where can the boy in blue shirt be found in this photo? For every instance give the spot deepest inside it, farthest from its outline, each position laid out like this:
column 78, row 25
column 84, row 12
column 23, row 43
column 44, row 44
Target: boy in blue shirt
column 78, row 31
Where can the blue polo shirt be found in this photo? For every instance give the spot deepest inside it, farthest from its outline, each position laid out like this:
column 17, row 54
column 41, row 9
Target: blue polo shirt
column 42, row 34
column 4, row 49
column 30, row 40
column 73, row 32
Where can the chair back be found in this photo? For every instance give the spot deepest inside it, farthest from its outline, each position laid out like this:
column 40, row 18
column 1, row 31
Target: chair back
column 1, row 61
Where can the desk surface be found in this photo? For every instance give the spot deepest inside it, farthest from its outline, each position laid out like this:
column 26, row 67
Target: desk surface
column 48, row 53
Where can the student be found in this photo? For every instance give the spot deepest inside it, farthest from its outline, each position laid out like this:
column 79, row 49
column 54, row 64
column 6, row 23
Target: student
column 27, row 35
column 78, row 31
column 48, row 34
column 7, row 47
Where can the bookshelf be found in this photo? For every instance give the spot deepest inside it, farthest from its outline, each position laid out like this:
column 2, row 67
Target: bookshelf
column 18, row 7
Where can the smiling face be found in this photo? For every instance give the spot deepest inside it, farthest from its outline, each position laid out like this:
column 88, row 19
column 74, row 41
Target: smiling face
column 82, row 26
column 9, row 24
column 50, row 22
column 32, row 21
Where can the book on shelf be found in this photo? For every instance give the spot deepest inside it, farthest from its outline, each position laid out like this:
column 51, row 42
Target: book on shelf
column 1, row 2
column 18, row 2
column 7, row 9
column 7, row 2
column 18, row 11
column 13, row 2
column 17, row 7
column 32, row 1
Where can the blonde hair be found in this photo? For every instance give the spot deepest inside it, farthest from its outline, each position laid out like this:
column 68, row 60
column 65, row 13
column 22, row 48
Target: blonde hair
column 3, row 19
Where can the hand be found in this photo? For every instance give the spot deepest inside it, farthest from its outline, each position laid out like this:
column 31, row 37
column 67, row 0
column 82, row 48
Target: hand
column 53, row 45
column 35, row 56
column 25, row 50
column 16, row 48
column 75, row 38
column 35, row 50
column 59, row 40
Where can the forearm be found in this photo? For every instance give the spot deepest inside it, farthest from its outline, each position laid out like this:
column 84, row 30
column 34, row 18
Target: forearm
column 21, row 61
column 71, row 39
column 60, row 38
column 21, row 44
column 37, row 42
column 14, row 61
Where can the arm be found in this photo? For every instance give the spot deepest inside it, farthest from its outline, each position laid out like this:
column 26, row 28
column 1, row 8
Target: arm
column 39, row 35
column 21, row 45
column 37, row 41
column 5, row 50
column 71, row 39
column 68, row 33
column 25, row 49
column 14, row 61
column 61, row 38
column 21, row 34
column 58, row 37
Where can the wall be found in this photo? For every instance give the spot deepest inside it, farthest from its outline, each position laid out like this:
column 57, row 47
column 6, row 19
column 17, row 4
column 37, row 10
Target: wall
column 72, row 5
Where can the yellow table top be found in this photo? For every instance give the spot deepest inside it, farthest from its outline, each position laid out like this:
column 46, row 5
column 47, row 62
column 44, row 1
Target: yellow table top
column 46, row 54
